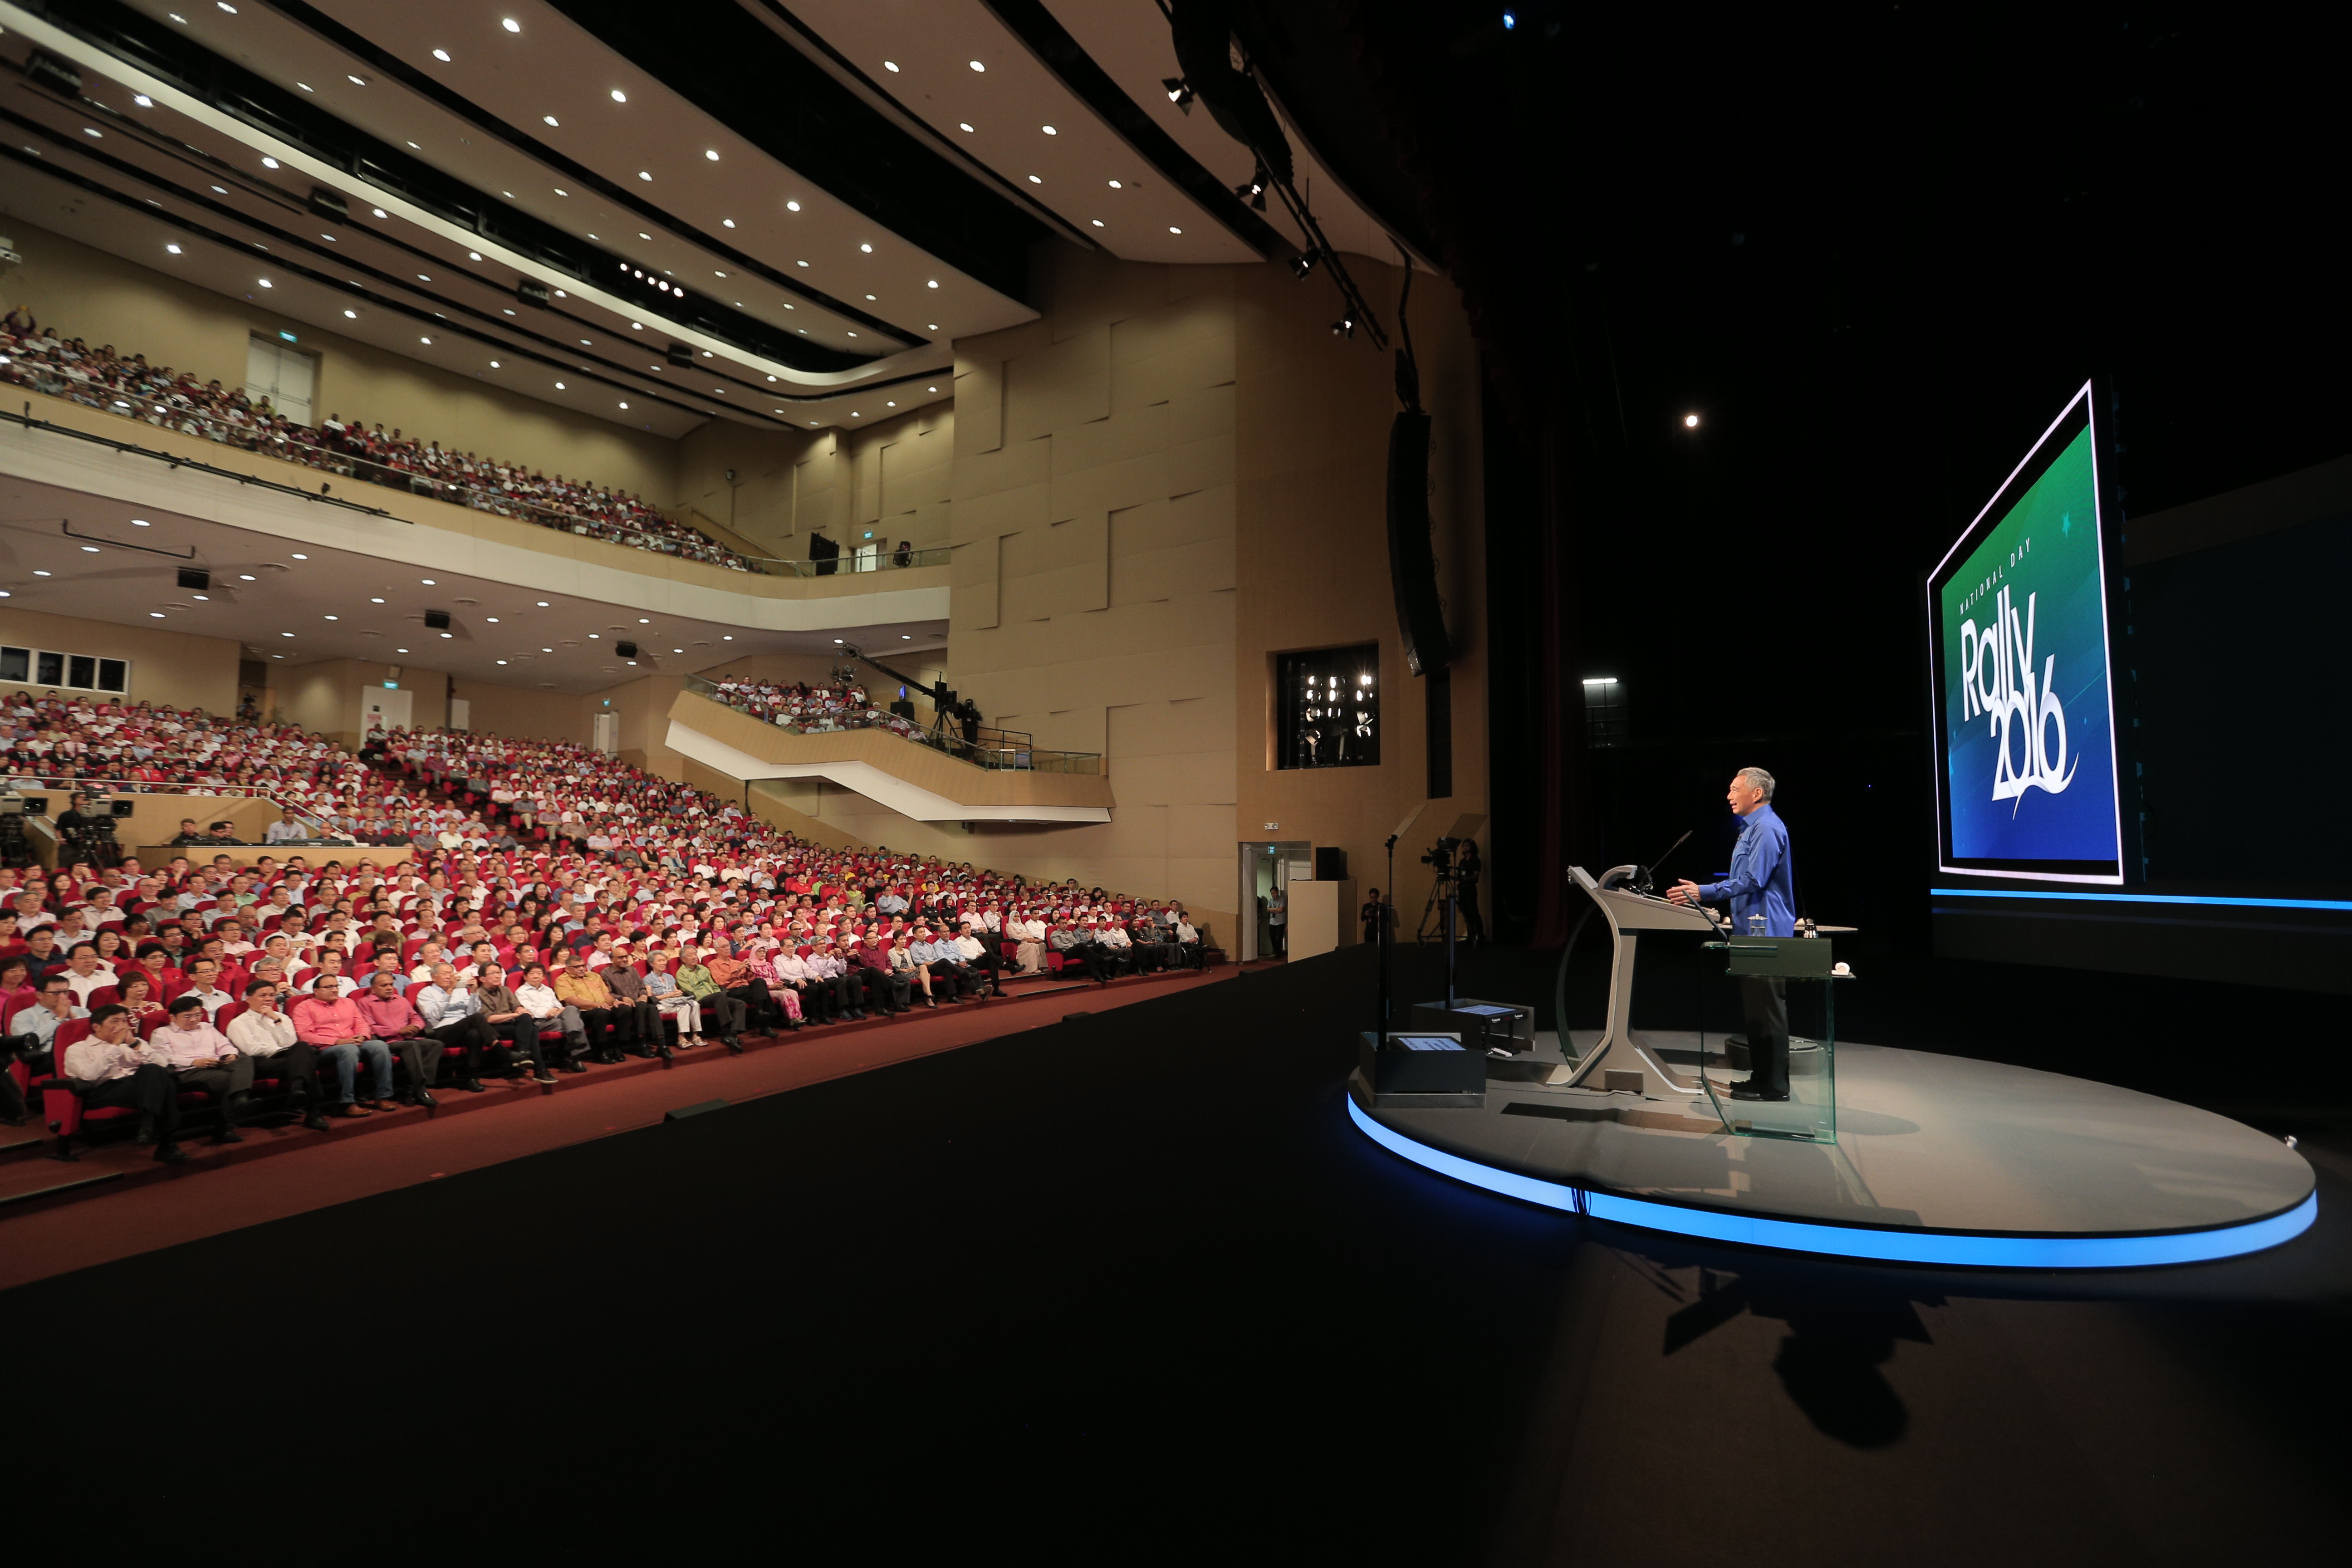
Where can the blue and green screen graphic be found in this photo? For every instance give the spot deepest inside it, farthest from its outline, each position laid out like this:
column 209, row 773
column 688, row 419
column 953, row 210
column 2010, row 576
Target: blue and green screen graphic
column 2025, row 715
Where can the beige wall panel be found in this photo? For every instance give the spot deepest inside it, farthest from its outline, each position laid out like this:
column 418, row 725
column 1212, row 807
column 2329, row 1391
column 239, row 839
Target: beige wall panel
column 1005, row 467
column 1056, row 388
column 1203, row 832
column 1096, row 444
column 1203, row 465
column 865, row 482
column 985, row 515
column 1176, row 572
column 1090, row 288
column 782, row 668
column 980, row 402
column 168, row 668
column 101, row 298
column 1055, row 571
column 759, row 504
column 916, row 468
column 1201, row 413
column 1182, row 724
column 525, row 712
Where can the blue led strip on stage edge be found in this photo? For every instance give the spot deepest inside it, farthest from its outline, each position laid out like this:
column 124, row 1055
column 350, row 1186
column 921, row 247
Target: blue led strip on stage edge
column 1848, row 1241
column 2147, row 899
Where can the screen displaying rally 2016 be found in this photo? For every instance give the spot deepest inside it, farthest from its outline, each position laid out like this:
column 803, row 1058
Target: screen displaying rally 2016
column 2024, row 720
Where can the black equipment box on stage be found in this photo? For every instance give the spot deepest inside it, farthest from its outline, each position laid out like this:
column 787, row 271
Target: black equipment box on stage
column 1423, row 1068
column 1796, row 957
column 1484, row 1025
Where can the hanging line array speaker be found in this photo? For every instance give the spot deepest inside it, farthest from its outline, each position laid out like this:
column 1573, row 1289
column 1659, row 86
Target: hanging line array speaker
column 1412, row 562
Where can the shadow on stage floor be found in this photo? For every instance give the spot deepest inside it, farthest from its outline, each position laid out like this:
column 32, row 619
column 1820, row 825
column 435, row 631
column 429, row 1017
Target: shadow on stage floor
column 1132, row 1288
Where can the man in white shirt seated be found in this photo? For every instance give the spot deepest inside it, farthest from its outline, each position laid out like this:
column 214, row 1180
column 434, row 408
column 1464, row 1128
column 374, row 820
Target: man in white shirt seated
column 265, row 1034
column 204, row 984
column 110, row 1067
column 286, row 829
column 983, row 958
column 84, row 974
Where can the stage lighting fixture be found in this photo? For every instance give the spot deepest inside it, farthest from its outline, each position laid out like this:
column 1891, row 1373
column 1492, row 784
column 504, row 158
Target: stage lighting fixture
column 1302, row 264
column 1253, row 190
column 1179, row 92
column 1345, row 327
column 1690, row 421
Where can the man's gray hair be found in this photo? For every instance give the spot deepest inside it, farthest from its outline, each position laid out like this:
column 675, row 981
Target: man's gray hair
column 1759, row 778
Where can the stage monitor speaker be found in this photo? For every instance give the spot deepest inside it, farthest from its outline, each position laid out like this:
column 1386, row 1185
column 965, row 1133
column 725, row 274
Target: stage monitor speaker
column 626, row 649
column 437, row 620
column 1412, row 562
column 1330, row 864
column 196, row 578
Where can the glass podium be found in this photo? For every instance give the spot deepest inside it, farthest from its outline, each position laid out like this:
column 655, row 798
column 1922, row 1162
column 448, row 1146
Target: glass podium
column 1791, row 979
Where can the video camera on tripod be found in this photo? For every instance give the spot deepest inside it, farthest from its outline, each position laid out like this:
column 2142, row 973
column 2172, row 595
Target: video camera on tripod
column 1440, row 858
column 15, row 849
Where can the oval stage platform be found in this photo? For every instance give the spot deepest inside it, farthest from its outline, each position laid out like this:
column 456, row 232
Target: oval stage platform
column 1937, row 1159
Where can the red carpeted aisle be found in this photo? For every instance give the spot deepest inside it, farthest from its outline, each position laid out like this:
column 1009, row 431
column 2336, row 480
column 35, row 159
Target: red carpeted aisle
column 285, row 1171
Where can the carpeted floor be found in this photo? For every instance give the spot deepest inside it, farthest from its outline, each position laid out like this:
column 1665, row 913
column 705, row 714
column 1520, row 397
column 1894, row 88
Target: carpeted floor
column 1132, row 1288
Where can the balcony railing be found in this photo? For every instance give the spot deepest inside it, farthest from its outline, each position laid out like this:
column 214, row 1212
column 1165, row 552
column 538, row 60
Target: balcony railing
column 985, row 747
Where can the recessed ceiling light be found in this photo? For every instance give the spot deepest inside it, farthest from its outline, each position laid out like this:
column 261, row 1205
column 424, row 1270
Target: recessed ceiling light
column 620, row 97
column 853, row 334
column 375, row 601
column 510, row 25
column 492, row 619
column 224, row 6
column 422, row 279
column 625, row 405
column 285, row 634
column 643, row 174
column 869, row 296
column 157, row 614
column 494, row 364
column 40, row 573
column 447, row 635
column 719, row 275
column 306, row 86
column 730, row 223
column 586, row 344
column 427, row 582
column 173, row 249
column 1049, row 130
column 428, row 343
column 332, row 617
column 930, row 389
column 906, row 636
column 268, row 162
column 866, row 248
column 355, row 80
column 559, row 386
column 241, row 576
column 893, row 404
column 644, row 621
column 1116, row 186
column 1174, row 230
column 220, row 190
column 265, row 282
column 1099, row 223
column 503, row 661
column 201, row 598
column 473, row 256
column 801, row 264
column 299, row 556
column 711, row 154
column 547, row 650
column 965, row 123
column 91, row 130
column 379, row 212
column 890, row 65
column 395, row 650
column 549, row 119
column 792, row 207
column 729, row 637
column 593, row 635
column 542, row 604
column 1036, row 180
column 141, row 522
column 441, row 54
column 977, row 66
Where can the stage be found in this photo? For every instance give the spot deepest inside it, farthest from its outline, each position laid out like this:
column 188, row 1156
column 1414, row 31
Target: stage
column 1937, row 1159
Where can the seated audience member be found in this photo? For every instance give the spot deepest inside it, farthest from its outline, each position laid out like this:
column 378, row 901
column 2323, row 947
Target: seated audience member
column 735, row 978
column 610, row 1029
column 675, row 1004
column 510, row 1021
column 204, row 984
column 53, row 1005
column 393, row 1019
column 1077, row 945
column 452, row 1013
column 717, row 1006
column 84, row 974
column 1029, row 950
column 980, row 957
column 1187, row 941
column 903, row 965
column 108, row 1067
column 944, row 964
column 327, row 1017
column 201, row 1057
column 631, row 997
column 549, row 1010
column 265, row 1035
column 887, row 990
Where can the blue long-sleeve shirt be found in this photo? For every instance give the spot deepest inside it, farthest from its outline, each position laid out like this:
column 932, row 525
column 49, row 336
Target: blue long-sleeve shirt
column 1761, row 881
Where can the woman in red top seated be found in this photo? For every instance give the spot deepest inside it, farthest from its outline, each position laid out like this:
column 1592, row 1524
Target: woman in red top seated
column 136, row 992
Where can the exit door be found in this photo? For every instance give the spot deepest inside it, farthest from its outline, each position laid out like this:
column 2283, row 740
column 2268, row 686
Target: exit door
column 608, row 733
column 285, row 375
column 1267, row 869
column 385, row 710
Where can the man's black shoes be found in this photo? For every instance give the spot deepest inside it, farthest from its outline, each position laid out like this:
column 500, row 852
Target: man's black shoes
column 170, row 1154
column 317, row 1121
column 1758, row 1092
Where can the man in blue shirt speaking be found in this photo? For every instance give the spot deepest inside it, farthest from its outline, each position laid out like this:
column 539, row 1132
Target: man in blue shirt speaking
column 1759, row 887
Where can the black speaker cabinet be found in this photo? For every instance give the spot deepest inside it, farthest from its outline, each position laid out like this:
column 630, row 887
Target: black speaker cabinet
column 1482, row 1024
column 1421, row 1068
column 1330, row 864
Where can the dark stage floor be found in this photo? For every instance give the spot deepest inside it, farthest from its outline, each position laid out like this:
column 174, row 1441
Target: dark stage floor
column 1133, row 1288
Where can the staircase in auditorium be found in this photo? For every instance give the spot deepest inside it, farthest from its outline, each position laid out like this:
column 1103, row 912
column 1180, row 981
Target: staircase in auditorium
column 921, row 777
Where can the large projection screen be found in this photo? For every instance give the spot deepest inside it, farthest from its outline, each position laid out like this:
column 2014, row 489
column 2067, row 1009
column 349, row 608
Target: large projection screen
column 2018, row 655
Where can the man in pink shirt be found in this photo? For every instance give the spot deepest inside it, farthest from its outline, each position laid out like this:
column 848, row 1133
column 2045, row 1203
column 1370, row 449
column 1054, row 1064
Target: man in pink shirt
column 393, row 1019
column 201, row 1057
column 327, row 1017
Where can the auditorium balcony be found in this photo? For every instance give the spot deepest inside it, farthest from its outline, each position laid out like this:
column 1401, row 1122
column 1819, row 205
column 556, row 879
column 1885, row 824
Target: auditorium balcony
column 74, row 447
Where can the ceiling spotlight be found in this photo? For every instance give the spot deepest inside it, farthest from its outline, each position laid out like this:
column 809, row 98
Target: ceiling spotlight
column 268, row 162
column 1179, row 92
column 976, row 65
column 792, row 207
column 494, row 364
column 1036, row 180
column 351, row 315
column 1253, row 191
column 866, row 248
column 174, row 249
column 643, row 174
column 1174, row 230
column 142, row 100
column 379, row 212
column 966, row 124
column 1690, row 421
column 712, row 154
column 265, row 282
column 1345, row 327
column 559, row 386
column 728, row 222
column 551, row 119
column 1116, row 186
column 625, row 405
column 355, row 80
column 620, row 97
column 441, row 54
column 157, row 614
column 1049, row 130
column 510, row 25
column 1302, row 264
column 1099, row 223
column 375, row 601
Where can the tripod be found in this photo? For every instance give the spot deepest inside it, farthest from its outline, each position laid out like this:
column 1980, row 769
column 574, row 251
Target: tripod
column 1437, row 917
